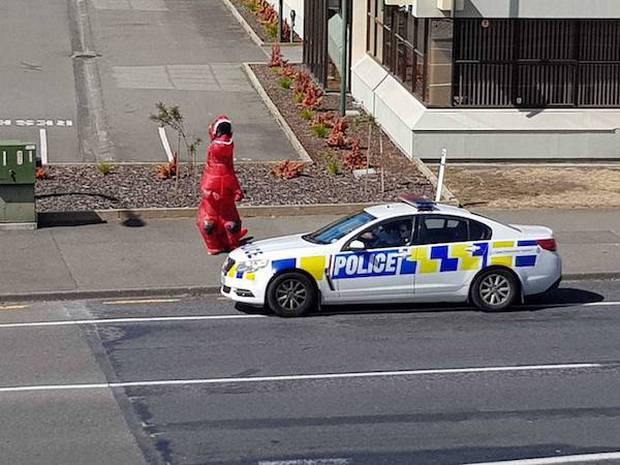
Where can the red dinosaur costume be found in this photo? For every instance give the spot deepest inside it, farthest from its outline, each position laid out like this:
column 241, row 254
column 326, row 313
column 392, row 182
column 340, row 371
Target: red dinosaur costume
column 218, row 220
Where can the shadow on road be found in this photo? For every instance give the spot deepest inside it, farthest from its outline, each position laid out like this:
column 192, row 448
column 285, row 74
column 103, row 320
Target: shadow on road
column 553, row 299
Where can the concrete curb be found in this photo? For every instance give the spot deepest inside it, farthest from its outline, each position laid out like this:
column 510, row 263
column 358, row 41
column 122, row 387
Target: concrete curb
column 95, row 144
column 193, row 291
column 244, row 24
column 290, row 135
column 48, row 219
column 109, row 294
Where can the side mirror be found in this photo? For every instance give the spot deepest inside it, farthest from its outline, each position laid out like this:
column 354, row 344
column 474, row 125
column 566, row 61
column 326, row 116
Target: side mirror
column 357, row 245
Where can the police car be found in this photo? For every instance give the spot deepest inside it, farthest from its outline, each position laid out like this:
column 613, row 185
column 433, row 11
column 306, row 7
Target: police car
column 411, row 251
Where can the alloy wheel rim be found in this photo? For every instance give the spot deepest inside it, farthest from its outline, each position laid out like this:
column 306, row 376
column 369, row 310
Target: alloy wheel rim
column 291, row 294
column 495, row 289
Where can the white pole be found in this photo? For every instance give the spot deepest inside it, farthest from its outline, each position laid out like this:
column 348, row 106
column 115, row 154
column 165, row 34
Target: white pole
column 43, row 146
column 166, row 144
column 442, row 167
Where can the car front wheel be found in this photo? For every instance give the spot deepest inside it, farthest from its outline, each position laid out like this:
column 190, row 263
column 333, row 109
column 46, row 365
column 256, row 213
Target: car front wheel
column 494, row 290
column 291, row 294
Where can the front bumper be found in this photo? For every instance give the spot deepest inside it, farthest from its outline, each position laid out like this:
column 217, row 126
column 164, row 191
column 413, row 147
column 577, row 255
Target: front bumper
column 243, row 290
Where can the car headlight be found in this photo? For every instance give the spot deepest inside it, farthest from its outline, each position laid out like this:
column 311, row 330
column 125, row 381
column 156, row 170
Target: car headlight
column 251, row 266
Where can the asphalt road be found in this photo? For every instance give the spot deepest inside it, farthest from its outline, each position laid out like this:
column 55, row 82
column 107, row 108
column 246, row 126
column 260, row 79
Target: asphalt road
column 195, row 381
column 37, row 76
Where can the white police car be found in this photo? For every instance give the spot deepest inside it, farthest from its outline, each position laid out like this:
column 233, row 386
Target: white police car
column 412, row 251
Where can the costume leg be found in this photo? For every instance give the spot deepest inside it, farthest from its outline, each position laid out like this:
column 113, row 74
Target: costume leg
column 211, row 228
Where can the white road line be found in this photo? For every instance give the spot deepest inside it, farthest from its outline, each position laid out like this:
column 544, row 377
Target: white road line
column 166, row 144
column 602, row 457
column 141, row 301
column 587, row 304
column 13, row 307
column 102, row 321
column 306, row 462
column 309, row 377
column 131, row 320
column 43, row 146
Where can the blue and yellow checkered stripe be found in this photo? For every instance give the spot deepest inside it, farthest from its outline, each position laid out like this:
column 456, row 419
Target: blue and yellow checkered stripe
column 424, row 259
column 459, row 257
column 315, row 266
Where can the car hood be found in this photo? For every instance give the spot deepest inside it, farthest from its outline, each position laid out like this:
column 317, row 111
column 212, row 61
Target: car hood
column 274, row 248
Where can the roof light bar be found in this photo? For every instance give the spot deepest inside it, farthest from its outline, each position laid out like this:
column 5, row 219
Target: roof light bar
column 418, row 201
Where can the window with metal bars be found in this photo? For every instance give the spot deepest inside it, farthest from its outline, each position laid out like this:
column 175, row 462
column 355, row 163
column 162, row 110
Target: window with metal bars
column 536, row 63
column 397, row 40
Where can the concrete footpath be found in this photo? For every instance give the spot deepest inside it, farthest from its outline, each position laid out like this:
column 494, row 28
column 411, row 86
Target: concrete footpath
column 167, row 256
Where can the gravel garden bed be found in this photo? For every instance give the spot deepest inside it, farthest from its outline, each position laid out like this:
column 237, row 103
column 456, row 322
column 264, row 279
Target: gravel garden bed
column 251, row 17
column 83, row 187
column 398, row 170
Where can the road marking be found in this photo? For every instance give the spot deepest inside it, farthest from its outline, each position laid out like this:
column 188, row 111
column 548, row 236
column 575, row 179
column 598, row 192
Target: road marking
column 141, row 301
column 216, row 77
column 39, row 122
column 43, row 146
column 306, row 462
column 160, row 319
column 129, row 320
column 602, row 457
column 310, row 377
column 164, row 141
column 13, row 307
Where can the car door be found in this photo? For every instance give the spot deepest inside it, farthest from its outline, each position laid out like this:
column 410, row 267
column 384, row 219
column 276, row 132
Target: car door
column 384, row 270
column 448, row 251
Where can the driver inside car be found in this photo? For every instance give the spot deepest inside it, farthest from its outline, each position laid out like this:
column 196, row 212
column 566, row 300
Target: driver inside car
column 390, row 235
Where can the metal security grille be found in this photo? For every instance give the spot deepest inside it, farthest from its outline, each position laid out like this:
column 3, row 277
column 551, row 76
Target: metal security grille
column 537, row 63
column 315, row 38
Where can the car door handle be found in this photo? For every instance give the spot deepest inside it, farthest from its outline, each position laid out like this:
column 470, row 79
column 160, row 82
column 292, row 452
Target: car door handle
column 472, row 249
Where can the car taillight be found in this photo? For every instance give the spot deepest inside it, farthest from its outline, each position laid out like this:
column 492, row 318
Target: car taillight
column 548, row 244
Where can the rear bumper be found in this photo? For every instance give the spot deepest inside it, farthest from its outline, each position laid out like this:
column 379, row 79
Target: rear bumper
column 545, row 276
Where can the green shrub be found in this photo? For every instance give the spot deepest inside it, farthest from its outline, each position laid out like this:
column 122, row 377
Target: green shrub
column 320, row 130
column 105, row 168
column 285, row 82
column 307, row 114
column 333, row 167
column 272, row 30
column 299, row 98
column 252, row 5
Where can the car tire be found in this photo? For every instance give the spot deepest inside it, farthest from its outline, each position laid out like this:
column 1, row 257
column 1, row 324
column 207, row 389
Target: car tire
column 494, row 290
column 291, row 294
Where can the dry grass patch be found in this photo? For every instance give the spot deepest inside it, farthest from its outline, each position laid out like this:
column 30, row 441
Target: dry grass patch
column 538, row 186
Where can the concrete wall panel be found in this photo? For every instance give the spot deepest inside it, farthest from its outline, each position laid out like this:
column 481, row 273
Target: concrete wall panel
column 524, row 9
column 518, row 145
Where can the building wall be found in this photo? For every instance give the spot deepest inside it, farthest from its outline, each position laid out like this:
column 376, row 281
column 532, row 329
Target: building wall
column 573, row 9
column 504, row 134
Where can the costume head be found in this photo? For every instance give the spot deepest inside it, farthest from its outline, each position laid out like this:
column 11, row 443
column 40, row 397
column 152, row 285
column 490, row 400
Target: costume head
column 221, row 126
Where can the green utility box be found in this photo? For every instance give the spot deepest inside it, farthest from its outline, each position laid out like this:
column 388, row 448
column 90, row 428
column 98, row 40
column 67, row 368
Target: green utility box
column 17, row 180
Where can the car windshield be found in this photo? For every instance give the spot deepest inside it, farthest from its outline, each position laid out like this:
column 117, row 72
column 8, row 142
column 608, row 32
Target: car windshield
column 337, row 230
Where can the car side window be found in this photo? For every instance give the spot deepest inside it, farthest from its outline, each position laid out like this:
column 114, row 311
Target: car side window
column 442, row 229
column 479, row 231
column 391, row 233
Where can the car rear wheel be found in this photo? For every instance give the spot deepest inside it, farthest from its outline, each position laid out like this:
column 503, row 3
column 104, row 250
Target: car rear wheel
column 291, row 294
column 494, row 290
